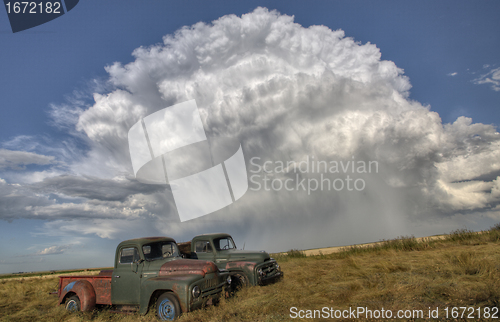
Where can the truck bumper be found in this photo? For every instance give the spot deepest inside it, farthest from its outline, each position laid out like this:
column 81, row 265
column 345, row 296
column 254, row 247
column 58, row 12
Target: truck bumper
column 268, row 272
column 208, row 297
column 271, row 279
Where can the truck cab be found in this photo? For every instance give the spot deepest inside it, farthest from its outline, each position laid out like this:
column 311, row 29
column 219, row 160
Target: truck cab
column 246, row 267
column 147, row 271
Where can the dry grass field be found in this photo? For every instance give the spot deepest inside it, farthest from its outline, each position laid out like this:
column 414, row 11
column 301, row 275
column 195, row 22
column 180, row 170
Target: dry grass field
column 461, row 270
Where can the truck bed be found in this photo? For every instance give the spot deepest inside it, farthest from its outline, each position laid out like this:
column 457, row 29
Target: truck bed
column 101, row 284
column 185, row 248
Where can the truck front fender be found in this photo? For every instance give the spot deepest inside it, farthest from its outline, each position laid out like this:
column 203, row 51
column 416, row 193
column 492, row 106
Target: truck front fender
column 247, row 268
column 85, row 292
column 154, row 287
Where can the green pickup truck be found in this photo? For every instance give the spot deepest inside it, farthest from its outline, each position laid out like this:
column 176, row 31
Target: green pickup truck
column 148, row 272
column 245, row 267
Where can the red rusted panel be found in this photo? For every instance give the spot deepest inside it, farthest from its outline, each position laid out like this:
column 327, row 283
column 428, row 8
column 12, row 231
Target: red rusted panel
column 101, row 286
column 85, row 292
column 103, row 290
column 241, row 265
column 187, row 266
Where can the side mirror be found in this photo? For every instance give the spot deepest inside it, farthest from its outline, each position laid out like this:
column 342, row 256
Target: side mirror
column 137, row 262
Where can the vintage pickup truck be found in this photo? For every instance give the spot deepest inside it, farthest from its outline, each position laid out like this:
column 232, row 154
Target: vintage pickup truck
column 148, row 272
column 246, row 267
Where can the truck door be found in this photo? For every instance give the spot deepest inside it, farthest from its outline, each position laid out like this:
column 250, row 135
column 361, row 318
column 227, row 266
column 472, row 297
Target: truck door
column 204, row 250
column 126, row 280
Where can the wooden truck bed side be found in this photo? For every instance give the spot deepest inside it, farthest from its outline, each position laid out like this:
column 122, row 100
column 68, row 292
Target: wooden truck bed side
column 185, row 248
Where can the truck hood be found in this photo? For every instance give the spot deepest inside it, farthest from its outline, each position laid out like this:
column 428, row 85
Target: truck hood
column 246, row 255
column 186, row 267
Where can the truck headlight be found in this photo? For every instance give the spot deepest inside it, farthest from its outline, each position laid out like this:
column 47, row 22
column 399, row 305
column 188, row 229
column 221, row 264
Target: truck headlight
column 196, row 291
column 261, row 273
column 229, row 280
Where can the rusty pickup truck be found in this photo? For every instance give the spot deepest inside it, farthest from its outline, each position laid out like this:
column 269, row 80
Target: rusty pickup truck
column 148, row 272
column 246, row 267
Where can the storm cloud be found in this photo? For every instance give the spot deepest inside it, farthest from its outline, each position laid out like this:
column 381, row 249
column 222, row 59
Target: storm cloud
column 19, row 159
column 287, row 93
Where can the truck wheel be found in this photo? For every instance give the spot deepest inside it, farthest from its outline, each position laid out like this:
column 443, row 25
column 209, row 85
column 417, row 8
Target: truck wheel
column 167, row 307
column 239, row 281
column 73, row 304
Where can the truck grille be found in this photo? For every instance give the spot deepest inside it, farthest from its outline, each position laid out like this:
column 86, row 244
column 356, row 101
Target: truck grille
column 269, row 269
column 209, row 283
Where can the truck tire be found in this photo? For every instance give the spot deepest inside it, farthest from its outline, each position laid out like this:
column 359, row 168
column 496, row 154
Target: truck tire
column 239, row 281
column 73, row 304
column 167, row 307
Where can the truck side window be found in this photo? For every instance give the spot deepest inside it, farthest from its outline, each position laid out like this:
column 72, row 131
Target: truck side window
column 224, row 243
column 203, row 246
column 129, row 255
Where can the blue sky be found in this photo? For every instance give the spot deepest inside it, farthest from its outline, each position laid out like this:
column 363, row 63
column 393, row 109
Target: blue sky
column 429, row 40
column 447, row 49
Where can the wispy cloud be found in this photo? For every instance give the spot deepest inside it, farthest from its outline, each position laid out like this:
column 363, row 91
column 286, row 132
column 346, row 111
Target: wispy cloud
column 17, row 160
column 53, row 250
column 491, row 78
column 452, row 74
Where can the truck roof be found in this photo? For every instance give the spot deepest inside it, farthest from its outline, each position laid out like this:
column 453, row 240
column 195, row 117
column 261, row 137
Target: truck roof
column 214, row 235
column 144, row 240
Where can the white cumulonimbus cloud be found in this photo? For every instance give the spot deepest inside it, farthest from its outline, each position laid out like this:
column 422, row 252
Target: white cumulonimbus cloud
column 171, row 129
column 287, row 93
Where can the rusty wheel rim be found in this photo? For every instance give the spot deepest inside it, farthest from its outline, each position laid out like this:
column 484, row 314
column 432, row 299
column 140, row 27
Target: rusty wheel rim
column 166, row 310
column 72, row 306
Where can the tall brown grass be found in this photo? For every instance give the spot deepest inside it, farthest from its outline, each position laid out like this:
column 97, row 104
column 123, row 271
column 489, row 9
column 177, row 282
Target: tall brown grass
column 463, row 269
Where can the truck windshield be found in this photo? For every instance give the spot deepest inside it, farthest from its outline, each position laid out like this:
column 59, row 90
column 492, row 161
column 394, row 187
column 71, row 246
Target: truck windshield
column 224, row 243
column 160, row 250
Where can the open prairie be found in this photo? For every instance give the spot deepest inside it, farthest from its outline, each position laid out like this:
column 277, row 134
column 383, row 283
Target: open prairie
column 407, row 275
